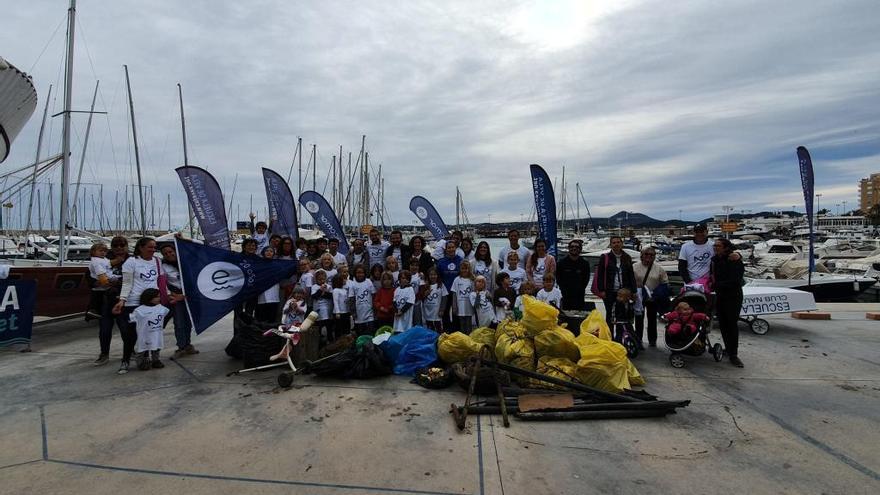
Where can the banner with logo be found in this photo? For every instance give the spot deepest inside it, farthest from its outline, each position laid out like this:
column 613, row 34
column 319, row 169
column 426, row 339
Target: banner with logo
column 206, row 200
column 282, row 209
column 216, row 281
column 545, row 207
column 806, row 167
column 325, row 218
column 17, row 311
column 425, row 211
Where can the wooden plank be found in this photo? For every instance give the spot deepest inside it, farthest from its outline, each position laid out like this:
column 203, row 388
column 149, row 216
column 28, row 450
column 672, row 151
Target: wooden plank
column 872, row 316
column 537, row 402
column 811, row 315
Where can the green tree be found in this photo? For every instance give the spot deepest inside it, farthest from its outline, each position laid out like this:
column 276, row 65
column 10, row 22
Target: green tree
column 874, row 215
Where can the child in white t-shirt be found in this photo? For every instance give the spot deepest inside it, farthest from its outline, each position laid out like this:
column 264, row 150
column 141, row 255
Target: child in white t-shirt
column 360, row 293
column 306, row 279
column 516, row 273
column 481, row 301
column 393, row 266
column 149, row 319
column 417, row 281
column 322, row 302
column 550, row 294
column 461, row 288
column 341, row 312
column 404, row 300
column 434, row 296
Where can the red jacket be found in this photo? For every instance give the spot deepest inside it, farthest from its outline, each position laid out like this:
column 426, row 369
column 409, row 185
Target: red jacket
column 384, row 298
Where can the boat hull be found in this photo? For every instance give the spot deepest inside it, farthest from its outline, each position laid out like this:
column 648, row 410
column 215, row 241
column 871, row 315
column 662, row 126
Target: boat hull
column 61, row 290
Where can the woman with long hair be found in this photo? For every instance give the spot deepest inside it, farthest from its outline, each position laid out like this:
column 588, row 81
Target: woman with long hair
column 727, row 281
column 540, row 262
column 139, row 272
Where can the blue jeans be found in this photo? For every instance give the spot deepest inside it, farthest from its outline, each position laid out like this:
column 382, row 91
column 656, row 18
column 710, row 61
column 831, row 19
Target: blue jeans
column 182, row 324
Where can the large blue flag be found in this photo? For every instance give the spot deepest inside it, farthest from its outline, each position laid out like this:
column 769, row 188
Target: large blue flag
column 425, row 211
column 207, row 204
column 216, row 281
column 545, row 206
column 806, row 167
column 325, row 218
column 282, row 210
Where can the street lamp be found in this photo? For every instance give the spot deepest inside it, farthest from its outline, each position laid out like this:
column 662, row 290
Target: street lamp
column 818, row 197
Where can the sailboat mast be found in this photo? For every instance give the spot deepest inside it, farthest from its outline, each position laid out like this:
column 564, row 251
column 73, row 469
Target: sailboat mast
column 65, row 141
column 299, row 208
column 37, row 162
column 82, row 158
column 137, row 158
column 457, row 209
column 189, row 215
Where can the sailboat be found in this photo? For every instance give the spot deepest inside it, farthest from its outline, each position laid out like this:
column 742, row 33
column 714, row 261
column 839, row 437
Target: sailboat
column 62, row 288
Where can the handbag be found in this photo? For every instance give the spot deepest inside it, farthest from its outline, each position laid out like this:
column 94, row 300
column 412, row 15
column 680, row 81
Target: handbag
column 646, row 294
column 594, row 287
column 162, row 285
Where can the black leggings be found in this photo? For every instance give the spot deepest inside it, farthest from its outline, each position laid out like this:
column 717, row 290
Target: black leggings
column 128, row 331
column 727, row 308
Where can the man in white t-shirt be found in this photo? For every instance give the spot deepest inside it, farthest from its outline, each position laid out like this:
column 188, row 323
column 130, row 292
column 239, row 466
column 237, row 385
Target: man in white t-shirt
column 338, row 258
column 522, row 251
column 376, row 247
column 695, row 257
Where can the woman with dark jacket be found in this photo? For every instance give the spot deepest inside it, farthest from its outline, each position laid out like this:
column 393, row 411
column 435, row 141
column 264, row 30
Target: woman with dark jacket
column 614, row 271
column 727, row 281
column 417, row 251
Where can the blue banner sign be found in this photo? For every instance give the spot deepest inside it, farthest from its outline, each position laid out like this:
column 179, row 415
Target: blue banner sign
column 17, row 311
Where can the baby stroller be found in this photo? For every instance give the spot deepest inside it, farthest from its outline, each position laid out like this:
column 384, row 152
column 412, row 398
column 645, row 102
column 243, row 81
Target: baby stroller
column 694, row 344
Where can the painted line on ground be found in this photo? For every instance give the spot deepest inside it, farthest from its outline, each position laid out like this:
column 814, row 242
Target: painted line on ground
column 480, row 454
column 25, row 463
column 43, row 432
column 246, row 479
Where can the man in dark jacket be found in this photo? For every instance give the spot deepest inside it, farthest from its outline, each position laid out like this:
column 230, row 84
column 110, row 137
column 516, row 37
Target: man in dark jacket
column 398, row 249
column 614, row 272
column 573, row 276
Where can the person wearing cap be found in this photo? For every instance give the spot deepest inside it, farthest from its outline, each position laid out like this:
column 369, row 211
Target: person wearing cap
column 695, row 256
column 573, row 276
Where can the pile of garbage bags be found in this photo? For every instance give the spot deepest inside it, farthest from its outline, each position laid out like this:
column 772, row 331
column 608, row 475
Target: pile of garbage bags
column 537, row 343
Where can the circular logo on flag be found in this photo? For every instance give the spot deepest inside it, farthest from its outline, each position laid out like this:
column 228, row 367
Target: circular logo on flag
column 312, row 207
column 421, row 212
column 220, row 280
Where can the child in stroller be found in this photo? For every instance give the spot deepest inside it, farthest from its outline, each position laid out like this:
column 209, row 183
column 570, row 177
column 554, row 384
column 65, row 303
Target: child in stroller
column 622, row 317
column 687, row 328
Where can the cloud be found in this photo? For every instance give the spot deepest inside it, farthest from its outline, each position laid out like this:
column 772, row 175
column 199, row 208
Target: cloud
column 650, row 106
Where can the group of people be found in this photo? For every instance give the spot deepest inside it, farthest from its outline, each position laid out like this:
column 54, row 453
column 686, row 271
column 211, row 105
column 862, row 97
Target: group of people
column 458, row 286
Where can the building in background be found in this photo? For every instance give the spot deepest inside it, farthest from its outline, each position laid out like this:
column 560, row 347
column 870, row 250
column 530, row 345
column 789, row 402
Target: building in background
column 869, row 192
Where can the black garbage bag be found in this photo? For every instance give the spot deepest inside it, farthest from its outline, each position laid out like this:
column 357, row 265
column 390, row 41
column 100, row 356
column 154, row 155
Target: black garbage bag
column 249, row 344
column 336, row 365
column 370, row 363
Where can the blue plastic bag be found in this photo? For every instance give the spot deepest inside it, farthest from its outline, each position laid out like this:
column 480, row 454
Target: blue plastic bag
column 395, row 344
column 415, row 355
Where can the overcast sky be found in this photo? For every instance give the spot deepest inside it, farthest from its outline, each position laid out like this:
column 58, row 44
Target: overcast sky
column 651, row 106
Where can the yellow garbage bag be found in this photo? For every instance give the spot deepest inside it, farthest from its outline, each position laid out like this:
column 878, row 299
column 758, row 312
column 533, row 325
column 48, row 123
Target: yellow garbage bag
column 516, row 350
column 484, row 335
column 603, row 364
column 456, row 347
column 561, row 368
column 557, row 342
column 538, row 316
column 510, row 327
column 595, row 324
column 635, row 378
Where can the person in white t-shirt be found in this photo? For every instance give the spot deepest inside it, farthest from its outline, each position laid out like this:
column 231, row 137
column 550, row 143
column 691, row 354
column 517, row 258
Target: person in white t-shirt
column 295, row 309
column 484, row 265
column 461, row 289
column 139, row 272
column 550, row 294
column 393, row 266
column 404, row 300
column 361, row 292
column 517, row 273
column 481, row 301
column 416, row 281
column 338, row 258
column 322, row 302
column 434, row 296
column 695, row 257
column 149, row 319
column 341, row 311
column 513, row 246
column 102, row 277
column 327, row 264
column 376, row 247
